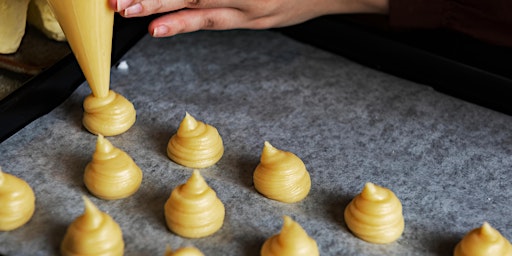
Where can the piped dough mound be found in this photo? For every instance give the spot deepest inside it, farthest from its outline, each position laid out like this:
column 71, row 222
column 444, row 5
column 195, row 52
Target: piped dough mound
column 291, row 241
column 196, row 144
column 375, row 215
column 93, row 233
column 483, row 241
column 109, row 116
column 281, row 175
column 193, row 210
column 183, row 251
column 17, row 202
column 112, row 173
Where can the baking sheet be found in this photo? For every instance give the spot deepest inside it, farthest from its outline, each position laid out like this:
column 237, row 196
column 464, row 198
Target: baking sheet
column 447, row 160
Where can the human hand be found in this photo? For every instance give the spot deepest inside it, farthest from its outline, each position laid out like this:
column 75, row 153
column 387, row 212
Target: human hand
column 184, row 16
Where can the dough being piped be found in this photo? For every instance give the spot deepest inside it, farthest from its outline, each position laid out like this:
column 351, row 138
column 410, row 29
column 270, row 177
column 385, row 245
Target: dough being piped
column 108, row 116
column 88, row 27
column 17, row 202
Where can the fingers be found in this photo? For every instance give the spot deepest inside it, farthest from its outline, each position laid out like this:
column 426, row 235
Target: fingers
column 191, row 20
column 137, row 8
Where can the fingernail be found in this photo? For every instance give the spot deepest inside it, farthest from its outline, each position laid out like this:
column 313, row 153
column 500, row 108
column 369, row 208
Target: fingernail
column 160, row 31
column 132, row 10
column 122, row 4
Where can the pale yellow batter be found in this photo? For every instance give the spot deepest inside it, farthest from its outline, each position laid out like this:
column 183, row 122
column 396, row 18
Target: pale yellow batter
column 184, row 251
column 112, row 173
column 108, row 116
column 281, row 175
column 483, row 241
column 88, row 27
column 292, row 241
column 17, row 202
column 93, row 233
column 193, row 210
column 196, row 144
column 375, row 215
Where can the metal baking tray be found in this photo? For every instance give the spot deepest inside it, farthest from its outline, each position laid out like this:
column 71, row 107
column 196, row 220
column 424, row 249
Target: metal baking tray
column 449, row 62
column 48, row 73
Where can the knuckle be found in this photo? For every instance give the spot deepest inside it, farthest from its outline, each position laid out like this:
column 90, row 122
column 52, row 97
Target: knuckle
column 193, row 3
column 209, row 23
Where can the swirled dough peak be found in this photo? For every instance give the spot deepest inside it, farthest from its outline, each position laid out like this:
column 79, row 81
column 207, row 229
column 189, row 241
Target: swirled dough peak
column 483, row 241
column 93, row 233
column 292, row 241
column 193, row 210
column 109, row 116
column 281, row 175
column 17, row 201
column 375, row 215
column 112, row 173
column 196, row 144
column 183, row 251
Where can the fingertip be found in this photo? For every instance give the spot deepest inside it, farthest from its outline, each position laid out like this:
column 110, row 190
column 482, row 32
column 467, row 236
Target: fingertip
column 113, row 4
column 160, row 31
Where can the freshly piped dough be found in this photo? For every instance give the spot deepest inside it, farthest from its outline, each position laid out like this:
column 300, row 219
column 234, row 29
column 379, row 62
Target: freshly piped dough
column 112, row 173
column 17, row 202
column 108, row 116
column 292, row 241
column 88, row 27
column 193, row 210
column 281, row 175
column 483, row 241
column 375, row 215
column 196, row 144
column 183, row 251
column 93, row 233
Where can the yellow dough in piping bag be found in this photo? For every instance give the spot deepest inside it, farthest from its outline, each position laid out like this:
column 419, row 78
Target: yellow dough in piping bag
column 291, row 241
column 17, row 202
column 193, row 210
column 375, row 215
column 483, row 241
column 196, row 144
column 88, row 27
column 93, row 233
column 183, row 251
column 281, row 175
column 112, row 173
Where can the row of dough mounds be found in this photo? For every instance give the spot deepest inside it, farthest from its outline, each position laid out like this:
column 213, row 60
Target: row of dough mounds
column 193, row 209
